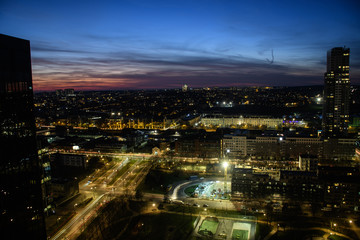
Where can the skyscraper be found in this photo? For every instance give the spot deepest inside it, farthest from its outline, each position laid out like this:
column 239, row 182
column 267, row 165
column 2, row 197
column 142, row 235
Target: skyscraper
column 21, row 202
column 336, row 93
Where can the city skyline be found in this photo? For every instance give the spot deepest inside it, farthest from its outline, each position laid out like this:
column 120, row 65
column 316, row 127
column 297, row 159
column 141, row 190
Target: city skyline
column 210, row 163
column 143, row 45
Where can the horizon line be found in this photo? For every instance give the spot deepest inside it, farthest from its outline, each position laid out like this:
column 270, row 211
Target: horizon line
column 179, row 88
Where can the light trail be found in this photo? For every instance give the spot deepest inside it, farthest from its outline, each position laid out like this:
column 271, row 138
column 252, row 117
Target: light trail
column 176, row 189
column 71, row 229
column 74, row 220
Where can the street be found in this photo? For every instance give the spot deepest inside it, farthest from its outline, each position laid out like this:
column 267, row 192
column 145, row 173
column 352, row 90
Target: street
column 116, row 178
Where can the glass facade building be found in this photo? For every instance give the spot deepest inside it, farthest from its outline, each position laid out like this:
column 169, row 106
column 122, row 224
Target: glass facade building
column 21, row 201
column 336, row 93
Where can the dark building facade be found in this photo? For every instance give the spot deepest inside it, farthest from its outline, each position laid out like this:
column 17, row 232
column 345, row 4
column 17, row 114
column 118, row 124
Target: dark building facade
column 334, row 187
column 336, row 93
column 21, row 201
column 201, row 145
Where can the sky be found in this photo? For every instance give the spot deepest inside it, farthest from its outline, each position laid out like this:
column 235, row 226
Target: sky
column 138, row 44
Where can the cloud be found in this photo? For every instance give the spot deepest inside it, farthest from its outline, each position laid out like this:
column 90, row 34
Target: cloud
column 169, row 66
column 61, row 47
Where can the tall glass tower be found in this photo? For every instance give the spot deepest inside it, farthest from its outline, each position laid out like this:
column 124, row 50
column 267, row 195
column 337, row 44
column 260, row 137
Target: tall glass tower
column 336, row 93
column 21, row 201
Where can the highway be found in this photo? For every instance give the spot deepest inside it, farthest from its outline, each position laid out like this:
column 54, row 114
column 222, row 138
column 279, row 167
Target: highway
column 70, row 229
column 118, row 177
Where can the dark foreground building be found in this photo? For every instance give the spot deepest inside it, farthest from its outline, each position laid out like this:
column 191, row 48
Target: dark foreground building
column 21, row 202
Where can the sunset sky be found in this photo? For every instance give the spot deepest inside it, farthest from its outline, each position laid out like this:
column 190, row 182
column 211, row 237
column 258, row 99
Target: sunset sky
column 133, row 44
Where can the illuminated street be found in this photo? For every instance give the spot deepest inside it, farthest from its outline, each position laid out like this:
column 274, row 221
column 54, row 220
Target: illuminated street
column 102, row 186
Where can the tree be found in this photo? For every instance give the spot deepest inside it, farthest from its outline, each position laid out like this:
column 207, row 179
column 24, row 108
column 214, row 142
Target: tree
column 139, row 194
column 94, row 162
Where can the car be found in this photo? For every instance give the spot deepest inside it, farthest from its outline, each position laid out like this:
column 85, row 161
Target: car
column 222, row 235
column 178, row 202
column 167, row 200
column 205, row 205
column 196, row 205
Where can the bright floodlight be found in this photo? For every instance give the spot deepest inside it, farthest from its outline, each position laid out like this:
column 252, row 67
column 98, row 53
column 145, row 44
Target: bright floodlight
column 225, row 164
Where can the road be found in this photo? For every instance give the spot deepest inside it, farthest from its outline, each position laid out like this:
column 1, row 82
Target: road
column 120, row 177
column 70, row 229
column 116, row 178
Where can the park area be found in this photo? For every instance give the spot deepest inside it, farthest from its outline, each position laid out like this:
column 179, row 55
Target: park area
column 209, row 226
column 222, row 228
column 240, row 234
column 241, row 231
column 158, row 226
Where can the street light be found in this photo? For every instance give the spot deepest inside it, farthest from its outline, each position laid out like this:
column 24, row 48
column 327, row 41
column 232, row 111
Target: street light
column 225, row 165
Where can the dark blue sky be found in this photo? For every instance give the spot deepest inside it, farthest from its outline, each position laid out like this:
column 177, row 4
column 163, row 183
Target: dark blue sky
column 165, row 44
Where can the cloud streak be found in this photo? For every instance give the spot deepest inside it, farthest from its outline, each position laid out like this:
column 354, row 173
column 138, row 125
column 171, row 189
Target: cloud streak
column 117, row 70
column 138, row 44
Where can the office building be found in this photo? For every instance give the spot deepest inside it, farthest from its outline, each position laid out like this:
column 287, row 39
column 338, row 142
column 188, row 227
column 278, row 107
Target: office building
column 336, row 93
column 21, row 201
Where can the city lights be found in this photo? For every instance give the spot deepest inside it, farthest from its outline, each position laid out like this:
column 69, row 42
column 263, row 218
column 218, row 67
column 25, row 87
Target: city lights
column 149, row 164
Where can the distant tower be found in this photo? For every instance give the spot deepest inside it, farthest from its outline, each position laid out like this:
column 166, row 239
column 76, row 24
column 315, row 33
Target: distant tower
column 185, row 88
column 336, row 93
column 69, row 92
column 21, row 201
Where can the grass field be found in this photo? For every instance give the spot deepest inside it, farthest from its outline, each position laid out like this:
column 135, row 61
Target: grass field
column 157, row 180
column 335, row 237
column 190, row 190
column 159, row 226
column 208, row 226
column 240, row 234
